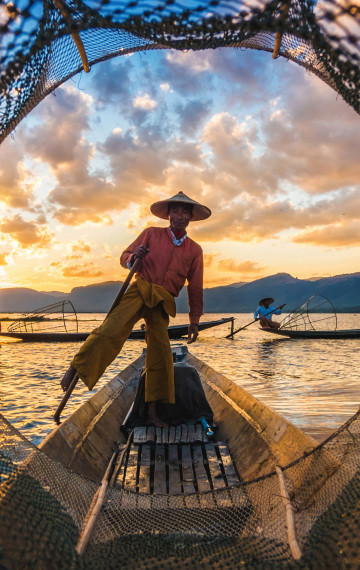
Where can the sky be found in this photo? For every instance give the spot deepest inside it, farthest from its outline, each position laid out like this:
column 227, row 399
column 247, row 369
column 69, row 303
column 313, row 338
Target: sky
column 268, row 147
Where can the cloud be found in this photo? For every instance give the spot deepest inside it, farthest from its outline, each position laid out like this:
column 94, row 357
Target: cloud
column 89, row 271
column 273, row 154
column 192, row 114
column 111, row 81
column 27, row 234
column 57, row 138
column 249, row 219
column 144, row 102
column 81, row 247
column 245, row 267
column 241, row 164
column 79, row 195
column 186, row 73
column 230, row 265
column 3, row 260
column 340, row 235
column 15, row 191
column 141, row 163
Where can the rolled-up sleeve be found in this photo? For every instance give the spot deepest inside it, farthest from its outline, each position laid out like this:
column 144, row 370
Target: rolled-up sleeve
column 125, row 258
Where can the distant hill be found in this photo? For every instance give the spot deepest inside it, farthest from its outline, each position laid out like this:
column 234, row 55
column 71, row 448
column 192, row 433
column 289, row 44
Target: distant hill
column 343, row 291
column 22, row 299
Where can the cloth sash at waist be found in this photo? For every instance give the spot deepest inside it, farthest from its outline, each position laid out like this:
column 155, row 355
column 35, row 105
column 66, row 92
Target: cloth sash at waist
column 153, row 294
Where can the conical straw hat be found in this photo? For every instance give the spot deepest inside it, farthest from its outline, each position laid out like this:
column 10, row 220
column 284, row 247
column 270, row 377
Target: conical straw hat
column 266, row 299
column 160, row 209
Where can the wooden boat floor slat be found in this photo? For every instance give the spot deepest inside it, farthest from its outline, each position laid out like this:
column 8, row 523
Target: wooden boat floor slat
column 161, row 461
column 186, row 433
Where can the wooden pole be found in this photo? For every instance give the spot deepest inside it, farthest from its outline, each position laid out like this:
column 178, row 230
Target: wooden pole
column 109, row 479
column 290, row 521
column 95, row 507
column 254, row 321
column 115, row 303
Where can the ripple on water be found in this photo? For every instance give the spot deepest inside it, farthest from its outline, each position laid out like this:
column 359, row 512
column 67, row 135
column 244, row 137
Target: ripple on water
column 314, row 384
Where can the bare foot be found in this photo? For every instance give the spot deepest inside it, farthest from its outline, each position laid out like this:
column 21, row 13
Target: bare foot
column 153, row 418
column 68, row 377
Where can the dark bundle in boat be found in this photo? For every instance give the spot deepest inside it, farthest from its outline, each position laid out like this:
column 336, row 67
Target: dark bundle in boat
column 259, row 493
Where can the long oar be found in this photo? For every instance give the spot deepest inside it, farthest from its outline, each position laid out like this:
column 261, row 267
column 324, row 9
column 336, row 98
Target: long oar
column 115, row 303
column 254, row 321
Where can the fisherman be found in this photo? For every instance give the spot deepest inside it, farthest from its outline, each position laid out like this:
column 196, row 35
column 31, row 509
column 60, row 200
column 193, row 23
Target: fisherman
column 262, row 313
column 169, row 258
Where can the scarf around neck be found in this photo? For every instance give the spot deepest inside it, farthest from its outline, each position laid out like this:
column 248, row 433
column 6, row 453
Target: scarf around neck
column 177, row 241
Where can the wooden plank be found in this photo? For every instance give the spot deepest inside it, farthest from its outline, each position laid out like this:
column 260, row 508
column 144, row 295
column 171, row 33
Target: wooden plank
column 222, row 499
column 139, row 434
column 158, row 435
column 174, row 470
column 131, row 469
column 230, row 472
column 178, row 434
column 144, row 471
column 183, row 433
column 150, row 434
column 172, row 434
column 217, row 478
column 160, row 470
column 202, row 480
column 187, row 469
column 165, row 434
column 199, row 433
column 191, row 433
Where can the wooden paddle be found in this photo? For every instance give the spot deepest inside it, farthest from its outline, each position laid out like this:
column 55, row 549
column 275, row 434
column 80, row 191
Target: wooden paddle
column 254, row 321
column 117, row 300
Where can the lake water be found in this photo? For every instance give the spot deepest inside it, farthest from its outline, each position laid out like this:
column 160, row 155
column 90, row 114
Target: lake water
column 313, row 383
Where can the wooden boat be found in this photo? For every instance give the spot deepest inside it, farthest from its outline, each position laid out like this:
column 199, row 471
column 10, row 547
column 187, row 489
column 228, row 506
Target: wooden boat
column 334, row 334
column 174, row 496
column 175, row 332
column 254, row 436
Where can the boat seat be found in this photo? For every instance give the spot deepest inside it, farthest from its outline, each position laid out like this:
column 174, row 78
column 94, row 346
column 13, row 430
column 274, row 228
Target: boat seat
column 176, row 460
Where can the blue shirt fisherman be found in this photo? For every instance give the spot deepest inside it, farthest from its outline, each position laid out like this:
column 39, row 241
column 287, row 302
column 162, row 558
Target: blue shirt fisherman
column 261, row 313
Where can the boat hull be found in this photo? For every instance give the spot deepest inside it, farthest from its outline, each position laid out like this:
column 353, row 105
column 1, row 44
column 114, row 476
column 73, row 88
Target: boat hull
column 338, row 334
column 257, row 437
column 175, row 331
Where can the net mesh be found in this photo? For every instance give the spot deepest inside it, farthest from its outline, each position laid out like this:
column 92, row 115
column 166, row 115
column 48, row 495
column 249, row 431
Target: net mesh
column 54, row 318
column 43, row 506
column 316, row 314
column 45, row 43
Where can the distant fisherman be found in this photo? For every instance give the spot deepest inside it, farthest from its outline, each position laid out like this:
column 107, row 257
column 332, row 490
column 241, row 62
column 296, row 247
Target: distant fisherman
column 169, row 258
column 265, row 307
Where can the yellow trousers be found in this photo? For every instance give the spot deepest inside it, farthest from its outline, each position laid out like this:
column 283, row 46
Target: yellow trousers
column 142, row 300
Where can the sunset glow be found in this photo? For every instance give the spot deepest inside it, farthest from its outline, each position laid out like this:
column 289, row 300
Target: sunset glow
column 269, row 148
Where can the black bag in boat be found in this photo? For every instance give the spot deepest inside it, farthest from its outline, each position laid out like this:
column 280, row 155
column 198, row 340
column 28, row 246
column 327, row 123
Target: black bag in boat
column 190, row 402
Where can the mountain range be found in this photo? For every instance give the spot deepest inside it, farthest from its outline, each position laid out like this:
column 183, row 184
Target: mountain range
column 343, row 291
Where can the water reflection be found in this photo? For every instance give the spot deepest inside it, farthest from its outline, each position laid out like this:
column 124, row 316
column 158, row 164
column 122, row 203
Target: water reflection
column 313, row 383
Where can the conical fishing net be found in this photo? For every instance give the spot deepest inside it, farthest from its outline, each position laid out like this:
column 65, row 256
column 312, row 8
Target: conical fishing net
column 54, row 318
column 43, row 506
column 316, row 314
column 44, row 43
